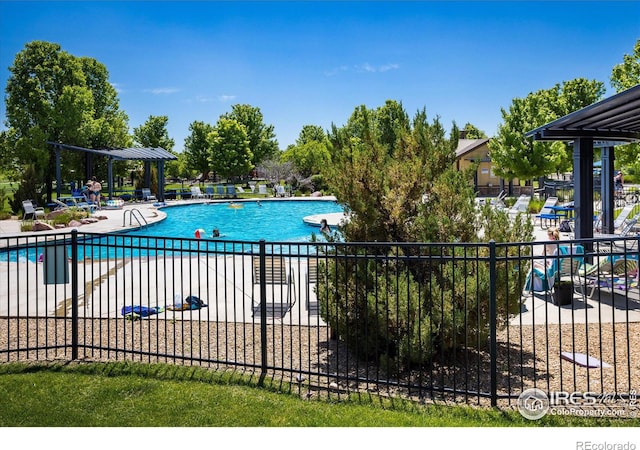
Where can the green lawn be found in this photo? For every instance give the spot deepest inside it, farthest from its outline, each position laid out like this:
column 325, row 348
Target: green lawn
column 143, row 395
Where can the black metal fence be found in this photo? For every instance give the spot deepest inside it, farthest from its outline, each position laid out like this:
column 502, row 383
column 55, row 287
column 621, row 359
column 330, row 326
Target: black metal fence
column 424, row 321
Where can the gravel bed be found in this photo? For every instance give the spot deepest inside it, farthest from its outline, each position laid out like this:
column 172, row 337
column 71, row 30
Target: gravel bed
column 528, row 356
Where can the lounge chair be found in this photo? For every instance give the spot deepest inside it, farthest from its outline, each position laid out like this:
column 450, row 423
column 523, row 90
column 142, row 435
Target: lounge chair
column 240, row 190
column 89, row 207
column 278, row 279
column 231, row 191
column 196, row 192
column 498, row 202
column 220, row 191
column 619, row 222
column 615, row 274
column 147, row 196
column 209, row 192
column 521, row 205
column 32, row 211
column 262, row 190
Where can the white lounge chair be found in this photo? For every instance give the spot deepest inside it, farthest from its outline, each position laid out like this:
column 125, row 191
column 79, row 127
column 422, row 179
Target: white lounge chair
column 262, row 190
column 620, row 221
column 196, row 192
column 521, row 205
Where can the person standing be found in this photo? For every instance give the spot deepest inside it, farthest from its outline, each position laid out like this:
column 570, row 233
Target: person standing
column 95, row 190
column 618, row 181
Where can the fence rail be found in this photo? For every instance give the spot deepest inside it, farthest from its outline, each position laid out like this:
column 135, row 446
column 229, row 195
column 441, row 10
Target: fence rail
column 423, row 321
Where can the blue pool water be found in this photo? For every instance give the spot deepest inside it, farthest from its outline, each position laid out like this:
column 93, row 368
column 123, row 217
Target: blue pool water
column 240, row 228
column 273, row 221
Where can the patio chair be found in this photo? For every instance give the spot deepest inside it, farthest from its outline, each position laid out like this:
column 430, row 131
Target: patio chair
column 262, row 190
column 32, row 211
column 278, row 279
column 220, row 191
column 209, row 192
column 147, row 196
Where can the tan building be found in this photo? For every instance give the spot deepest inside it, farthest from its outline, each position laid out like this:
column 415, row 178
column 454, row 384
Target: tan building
column 486, row 183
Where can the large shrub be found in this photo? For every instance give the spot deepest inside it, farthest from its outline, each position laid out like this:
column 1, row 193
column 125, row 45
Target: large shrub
column 392, row 306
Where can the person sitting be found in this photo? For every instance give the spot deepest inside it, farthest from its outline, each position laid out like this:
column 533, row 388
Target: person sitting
column 542, row 275
column 324, row 227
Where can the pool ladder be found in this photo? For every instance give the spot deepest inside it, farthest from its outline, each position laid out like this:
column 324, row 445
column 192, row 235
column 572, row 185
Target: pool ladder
column 134, row 214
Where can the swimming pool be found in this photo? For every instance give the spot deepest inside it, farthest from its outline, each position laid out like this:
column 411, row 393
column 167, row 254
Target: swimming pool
column 241, row 226
column 271, row 220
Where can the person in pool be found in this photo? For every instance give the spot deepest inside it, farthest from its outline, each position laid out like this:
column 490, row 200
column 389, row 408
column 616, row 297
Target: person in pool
column 215, row 233
column 324, row 226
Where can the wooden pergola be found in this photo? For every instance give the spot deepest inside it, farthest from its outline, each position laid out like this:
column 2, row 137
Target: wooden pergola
column 605, row 125
column 147, row 155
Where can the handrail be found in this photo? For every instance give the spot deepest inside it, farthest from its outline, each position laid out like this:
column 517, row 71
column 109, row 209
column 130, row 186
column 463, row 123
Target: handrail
column 134, row 213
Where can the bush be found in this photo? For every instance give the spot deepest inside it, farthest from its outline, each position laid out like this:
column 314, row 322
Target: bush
column 403, row 313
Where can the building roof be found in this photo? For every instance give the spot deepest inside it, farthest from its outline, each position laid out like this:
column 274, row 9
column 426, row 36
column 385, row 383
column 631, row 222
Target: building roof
column 469, row 145
column 134, row 153
column 615, row 119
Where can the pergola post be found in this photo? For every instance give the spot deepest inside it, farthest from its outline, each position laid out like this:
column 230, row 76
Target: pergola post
column 58, row 174
column 147, row 174
column 583, row 187
column 606, row 190
column 110, row 176
column 161, row 180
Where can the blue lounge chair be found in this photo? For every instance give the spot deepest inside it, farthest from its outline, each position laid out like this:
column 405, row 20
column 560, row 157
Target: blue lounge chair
column 231, row 191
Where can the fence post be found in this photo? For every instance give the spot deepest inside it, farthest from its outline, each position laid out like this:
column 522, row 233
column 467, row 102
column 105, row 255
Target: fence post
column 493, row 348
column 263, row 311
column 74, row 294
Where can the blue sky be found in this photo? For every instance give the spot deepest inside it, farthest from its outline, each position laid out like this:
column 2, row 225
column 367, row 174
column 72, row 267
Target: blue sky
column 312, row 63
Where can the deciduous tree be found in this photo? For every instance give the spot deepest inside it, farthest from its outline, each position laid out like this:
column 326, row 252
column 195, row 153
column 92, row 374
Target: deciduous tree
column 230, row 152
column 261, row 136
column 516, row 156
column 625, row 76
column 52, row 95
column 197, row 149
column 153, row 133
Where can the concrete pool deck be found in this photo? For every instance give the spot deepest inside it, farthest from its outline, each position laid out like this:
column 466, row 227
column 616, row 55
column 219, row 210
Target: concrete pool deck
column 536, row 310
